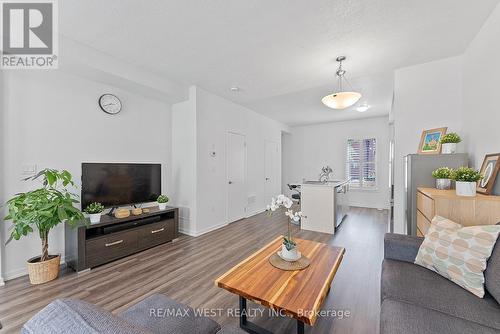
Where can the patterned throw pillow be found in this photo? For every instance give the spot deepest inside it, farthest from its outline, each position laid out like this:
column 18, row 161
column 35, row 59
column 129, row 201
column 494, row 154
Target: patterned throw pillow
column 458, row 253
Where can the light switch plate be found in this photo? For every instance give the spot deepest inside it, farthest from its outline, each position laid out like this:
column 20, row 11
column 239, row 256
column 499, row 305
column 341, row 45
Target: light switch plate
column 28, row 169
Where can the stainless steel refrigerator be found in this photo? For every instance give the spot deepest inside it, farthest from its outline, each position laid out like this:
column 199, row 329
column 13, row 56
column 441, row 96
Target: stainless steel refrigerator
column 418, row 173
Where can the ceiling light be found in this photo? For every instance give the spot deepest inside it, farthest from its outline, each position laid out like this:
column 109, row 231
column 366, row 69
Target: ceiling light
column 341, row 99
column 363, row 107
column 235, row 89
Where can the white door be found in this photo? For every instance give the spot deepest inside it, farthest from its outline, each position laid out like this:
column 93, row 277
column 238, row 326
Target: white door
column 271, row 170
column 236, row 167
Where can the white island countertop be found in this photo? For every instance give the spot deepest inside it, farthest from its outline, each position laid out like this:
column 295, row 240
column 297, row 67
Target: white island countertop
column 332, row 183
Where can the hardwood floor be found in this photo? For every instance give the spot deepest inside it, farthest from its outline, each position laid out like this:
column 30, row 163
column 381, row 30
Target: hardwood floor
column 185, row 270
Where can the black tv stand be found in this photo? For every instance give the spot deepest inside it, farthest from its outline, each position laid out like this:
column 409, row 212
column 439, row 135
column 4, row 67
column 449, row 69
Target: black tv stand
column 90, row 245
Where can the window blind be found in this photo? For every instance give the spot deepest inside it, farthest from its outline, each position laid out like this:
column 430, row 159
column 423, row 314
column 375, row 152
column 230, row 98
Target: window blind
column 361, row 160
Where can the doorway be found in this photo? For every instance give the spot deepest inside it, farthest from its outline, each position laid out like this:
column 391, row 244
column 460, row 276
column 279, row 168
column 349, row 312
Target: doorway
column 271, row 170
column 236, row 176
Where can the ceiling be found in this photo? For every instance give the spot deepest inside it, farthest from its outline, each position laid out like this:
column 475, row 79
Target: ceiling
column 281, row 53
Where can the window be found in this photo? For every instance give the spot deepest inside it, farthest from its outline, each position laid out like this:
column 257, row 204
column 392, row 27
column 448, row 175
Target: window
column 362, row 163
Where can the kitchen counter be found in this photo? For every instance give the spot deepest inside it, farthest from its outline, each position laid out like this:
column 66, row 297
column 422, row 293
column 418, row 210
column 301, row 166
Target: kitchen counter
column 333, row 183
column 323, row 205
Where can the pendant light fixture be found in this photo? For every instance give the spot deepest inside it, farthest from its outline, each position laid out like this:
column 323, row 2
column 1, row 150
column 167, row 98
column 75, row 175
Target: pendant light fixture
column 341, row 99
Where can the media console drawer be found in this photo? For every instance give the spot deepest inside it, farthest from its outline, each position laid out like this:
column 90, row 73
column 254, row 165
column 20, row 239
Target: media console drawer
column 156, row 234
column 104, row 249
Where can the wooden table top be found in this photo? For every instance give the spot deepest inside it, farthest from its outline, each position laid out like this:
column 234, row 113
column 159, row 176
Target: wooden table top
column 300, row 293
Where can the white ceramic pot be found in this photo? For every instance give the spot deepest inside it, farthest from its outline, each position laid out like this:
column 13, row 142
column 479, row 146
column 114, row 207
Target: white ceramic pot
column 291, row 254
column 448, row 148
column 95, row 217
column 466, row 188
column 162, row 206
column 443, row 184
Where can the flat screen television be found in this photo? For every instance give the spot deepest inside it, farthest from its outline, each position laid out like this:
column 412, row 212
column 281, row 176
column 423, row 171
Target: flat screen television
column 116, row 184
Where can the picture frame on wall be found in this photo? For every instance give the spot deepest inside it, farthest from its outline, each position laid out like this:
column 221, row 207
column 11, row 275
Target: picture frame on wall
column 430, row 141
column 489, row 170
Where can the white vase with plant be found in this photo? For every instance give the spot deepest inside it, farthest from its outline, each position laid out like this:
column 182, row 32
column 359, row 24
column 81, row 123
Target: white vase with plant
column 94, row 210
column 449, row 143
column 289, row 251
column 466, row 180
column 162, row 202
column 443, row 178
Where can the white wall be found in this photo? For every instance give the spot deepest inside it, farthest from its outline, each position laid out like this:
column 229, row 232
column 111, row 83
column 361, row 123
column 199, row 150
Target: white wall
column 426, row 96
column 53, row 120
column 481, row 109
column 184, row 161
column 308, row 148
column 2, row 171
column 214, row 117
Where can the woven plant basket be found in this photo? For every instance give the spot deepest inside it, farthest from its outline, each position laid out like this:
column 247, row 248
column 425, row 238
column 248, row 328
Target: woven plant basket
column 42, row 272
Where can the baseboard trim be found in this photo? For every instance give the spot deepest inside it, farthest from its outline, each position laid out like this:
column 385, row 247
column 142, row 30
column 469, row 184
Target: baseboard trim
column 184, row 221
column 187, row 232
column 256, row 212
column 16, row 273
column 360, row 205
column 204, row 231
column 194, row 233
column 2, row 282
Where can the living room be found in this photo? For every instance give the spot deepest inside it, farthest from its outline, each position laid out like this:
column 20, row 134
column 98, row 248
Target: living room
column 232, row 167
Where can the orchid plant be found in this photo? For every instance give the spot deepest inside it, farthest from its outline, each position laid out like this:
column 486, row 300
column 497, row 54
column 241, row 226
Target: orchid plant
column 283, row 201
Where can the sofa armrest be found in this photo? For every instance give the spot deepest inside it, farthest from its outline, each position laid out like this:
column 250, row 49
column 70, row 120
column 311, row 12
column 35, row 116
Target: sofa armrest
column 401, row 247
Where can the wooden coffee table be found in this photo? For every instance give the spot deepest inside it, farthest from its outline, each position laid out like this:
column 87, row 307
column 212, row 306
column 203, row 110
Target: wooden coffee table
column 298, row 294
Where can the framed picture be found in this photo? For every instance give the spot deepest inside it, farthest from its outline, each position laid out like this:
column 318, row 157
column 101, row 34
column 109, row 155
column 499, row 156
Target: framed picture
column 489, row 170
column 430, row 142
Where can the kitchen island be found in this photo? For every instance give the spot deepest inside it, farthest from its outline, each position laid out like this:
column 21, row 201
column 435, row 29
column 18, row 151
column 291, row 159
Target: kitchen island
column 323, row 205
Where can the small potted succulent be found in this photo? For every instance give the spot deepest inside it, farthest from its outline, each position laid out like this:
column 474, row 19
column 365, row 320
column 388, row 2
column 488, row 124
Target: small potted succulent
column 289, row 251
column 94, row 210
column 466, row 179
column 449, row 143
column 162, row 202
column 443, row 177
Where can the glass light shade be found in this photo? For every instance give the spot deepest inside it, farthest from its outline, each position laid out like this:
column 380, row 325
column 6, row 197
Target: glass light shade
column 341, row 100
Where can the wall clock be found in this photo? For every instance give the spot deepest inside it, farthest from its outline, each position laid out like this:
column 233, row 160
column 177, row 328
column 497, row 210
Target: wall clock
column 110, row 104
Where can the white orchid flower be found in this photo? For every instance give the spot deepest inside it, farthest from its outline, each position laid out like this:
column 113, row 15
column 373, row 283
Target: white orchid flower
column 283, row 201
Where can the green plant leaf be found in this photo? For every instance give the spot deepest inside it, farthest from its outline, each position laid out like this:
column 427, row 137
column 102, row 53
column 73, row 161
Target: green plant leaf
column 43, row 208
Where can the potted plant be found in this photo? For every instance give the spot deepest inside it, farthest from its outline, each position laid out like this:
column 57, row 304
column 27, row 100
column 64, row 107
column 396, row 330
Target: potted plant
column 43, row 209
column 94, row 210
column 162, row 202
column 449, row 143
column 466, row 179
column 443, row 177
column 289, row 250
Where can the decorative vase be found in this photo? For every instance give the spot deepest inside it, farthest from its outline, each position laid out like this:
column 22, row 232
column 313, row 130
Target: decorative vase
column 42, row 272
column 448, row 148
column 162, row 206
column 443, row 184
column 95, row 217
column 290, row 255
column 466, row 188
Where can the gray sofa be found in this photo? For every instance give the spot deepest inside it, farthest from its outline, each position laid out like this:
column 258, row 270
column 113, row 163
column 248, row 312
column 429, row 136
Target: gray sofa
column 154, row 315
column 417, row 300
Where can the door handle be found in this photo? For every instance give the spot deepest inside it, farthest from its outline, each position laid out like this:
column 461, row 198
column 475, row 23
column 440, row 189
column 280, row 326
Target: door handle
column 114, row 243
column 230, row 182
